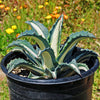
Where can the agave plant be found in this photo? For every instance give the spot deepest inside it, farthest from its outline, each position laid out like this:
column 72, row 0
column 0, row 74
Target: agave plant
column 50, row 59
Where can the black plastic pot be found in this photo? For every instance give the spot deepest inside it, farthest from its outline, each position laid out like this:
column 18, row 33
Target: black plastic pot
column 71, row 88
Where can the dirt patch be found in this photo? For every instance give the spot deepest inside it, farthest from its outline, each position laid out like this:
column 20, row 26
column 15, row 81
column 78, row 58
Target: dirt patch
column 2, row 75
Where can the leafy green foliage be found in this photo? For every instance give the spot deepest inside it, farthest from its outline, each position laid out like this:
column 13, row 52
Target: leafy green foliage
column 50, row 60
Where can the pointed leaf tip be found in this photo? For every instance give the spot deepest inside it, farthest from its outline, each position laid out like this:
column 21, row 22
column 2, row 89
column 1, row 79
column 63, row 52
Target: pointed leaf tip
column 39, row 28
column 55, row 35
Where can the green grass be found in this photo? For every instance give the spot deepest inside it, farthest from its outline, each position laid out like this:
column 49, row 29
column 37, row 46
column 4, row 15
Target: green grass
column 82, row 15
column 4, row 94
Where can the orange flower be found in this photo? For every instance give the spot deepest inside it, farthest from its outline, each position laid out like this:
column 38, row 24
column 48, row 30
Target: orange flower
column 17, row 35
column 65, row 17
column 66, row 5
column 25, row 6
column 20, row 7
column 7, row 8
column 55, row 16
column 2, row 6
column 19, row 17
column 55, row 12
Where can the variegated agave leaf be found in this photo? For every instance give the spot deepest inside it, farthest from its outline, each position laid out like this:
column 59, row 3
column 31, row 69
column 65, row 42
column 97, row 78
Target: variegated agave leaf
column 18, row 49
column 39, row 39
column 49, row 60
column 28, row 32
column 27, row 47
column 39, row 28
column 74, row 38
column 33, row 76
column 81, row 55
column 23, row 63
column 72, row 65
column 69, row 56
column 55, row 35
column 51, row 73
column 84, row 55
column 68, row 69
column 83, row 66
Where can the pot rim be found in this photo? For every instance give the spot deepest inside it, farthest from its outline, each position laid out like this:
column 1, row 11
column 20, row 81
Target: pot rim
column 49, row 81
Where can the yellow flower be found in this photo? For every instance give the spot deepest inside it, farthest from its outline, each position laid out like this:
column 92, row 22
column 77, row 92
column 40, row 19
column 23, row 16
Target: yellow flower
column 46, row 3
column 14, row 9
column 9, row 30
column 14, row 15
column 48, row 17
column 40, row 6
column 14, row 27
column 58, row 7
column 0, row 1
column 82, row 19
column 7, row 51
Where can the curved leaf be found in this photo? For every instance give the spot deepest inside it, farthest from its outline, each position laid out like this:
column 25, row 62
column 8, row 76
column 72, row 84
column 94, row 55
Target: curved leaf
column 69, row 55
column 82, row 66
column 73, row 39
column 72, row 65
column 28, row 32
column 27, row 47
column 55, row 35
column 18, row 49
column 39, row 28
column 33, row 76
column 39, row 39
column 48, row 59
column 81, row 55
column 22, row 63
column 50, row 73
